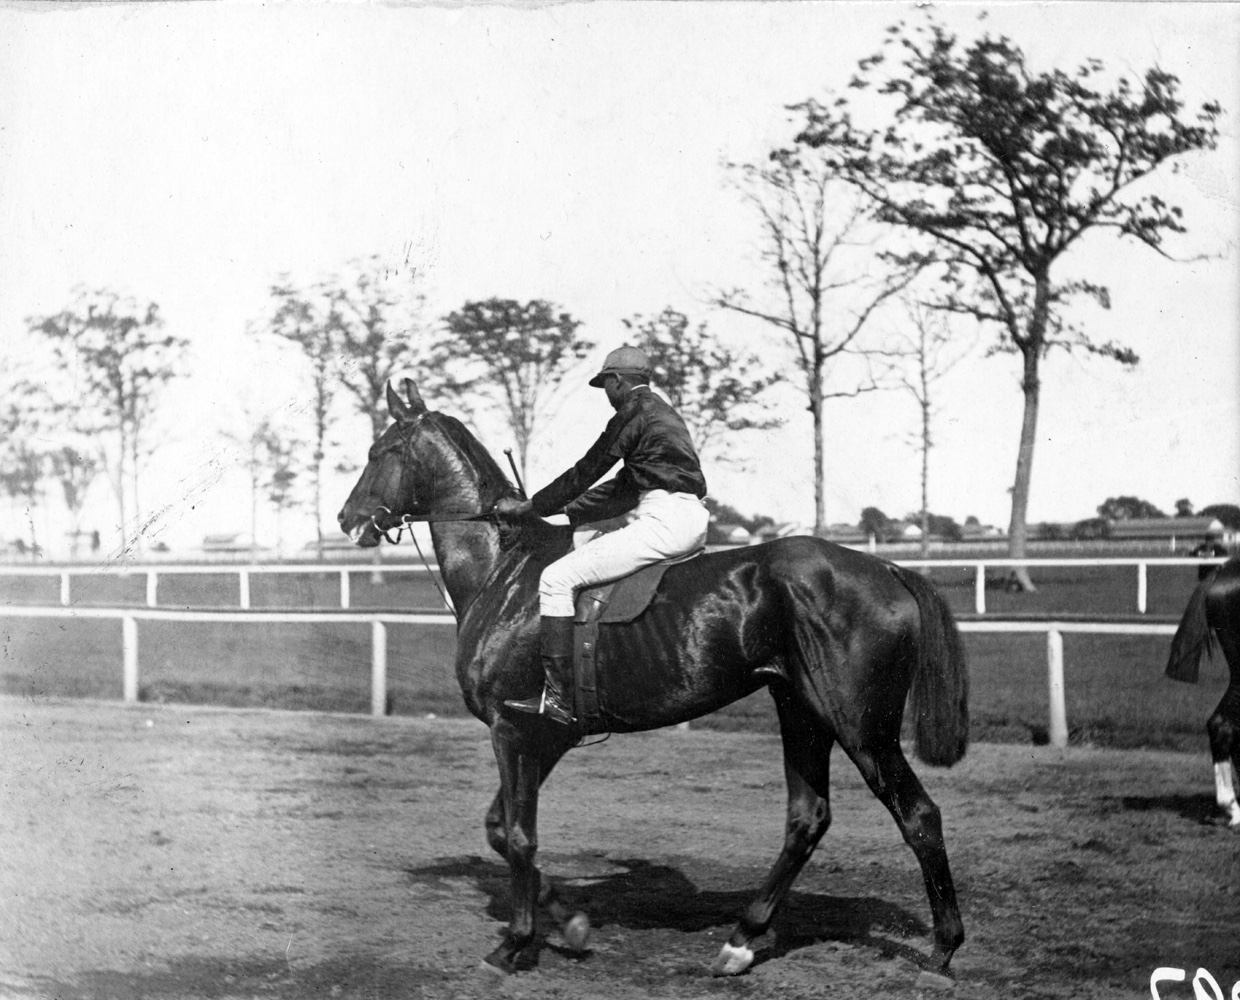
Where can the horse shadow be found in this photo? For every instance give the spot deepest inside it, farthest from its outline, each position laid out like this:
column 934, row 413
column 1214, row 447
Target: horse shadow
column 1199, row 808
column 642, row 895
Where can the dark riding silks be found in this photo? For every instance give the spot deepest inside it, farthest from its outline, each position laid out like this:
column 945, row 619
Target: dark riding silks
column 651, row 439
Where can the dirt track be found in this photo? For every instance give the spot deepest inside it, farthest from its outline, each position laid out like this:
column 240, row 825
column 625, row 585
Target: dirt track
column 168, row 852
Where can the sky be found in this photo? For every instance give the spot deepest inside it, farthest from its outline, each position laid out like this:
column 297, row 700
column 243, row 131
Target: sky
column 190, row 153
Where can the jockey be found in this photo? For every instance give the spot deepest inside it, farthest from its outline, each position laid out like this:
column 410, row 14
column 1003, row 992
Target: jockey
column 661, row 482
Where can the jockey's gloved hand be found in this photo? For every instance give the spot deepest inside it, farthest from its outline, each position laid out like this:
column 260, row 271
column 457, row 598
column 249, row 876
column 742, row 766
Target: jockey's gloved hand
column 512, row 507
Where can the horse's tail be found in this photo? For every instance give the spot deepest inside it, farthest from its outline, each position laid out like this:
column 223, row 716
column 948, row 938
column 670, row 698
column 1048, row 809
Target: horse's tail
column 1193, row 637
column 940, row 688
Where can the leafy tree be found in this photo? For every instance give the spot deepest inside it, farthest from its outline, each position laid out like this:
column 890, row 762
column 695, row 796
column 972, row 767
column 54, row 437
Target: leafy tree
column 1125, row 508
column 1227, row 513
column 1049, row 531
column 1091, row 528
column 712, row 387
column 924, row 356
column 513, row 356
column 115, row 359
column 281, row 482
column 1004, row 169
column 23, row 464
column 1184, row 507
column 940, row 525
column 75, row 467
column 374, row 322
column 875, row 522
column 820, row 292
column 305, row 319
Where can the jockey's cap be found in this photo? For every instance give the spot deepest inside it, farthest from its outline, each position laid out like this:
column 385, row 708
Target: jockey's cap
column 623, row 361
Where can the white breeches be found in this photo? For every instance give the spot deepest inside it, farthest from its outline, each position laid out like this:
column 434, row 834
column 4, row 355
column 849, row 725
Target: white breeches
column 664, row 526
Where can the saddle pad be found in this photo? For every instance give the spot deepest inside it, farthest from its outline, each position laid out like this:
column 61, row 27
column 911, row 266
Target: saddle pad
column 624, row 599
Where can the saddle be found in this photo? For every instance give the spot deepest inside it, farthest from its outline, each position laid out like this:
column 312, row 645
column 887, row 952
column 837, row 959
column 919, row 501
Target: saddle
column 620, row 601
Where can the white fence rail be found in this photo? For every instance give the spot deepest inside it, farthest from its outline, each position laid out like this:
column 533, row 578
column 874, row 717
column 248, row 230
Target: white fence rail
column 979, row 570
column 129, row 619
column 1054, row 629
column 243, row 573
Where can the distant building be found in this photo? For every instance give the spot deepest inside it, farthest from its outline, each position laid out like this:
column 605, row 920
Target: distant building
column 846, row 534
column 231, row 544
column 729, row 534
column 1177, row 532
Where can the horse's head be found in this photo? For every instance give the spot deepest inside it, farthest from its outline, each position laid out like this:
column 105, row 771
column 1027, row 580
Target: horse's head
column 386, row 490
column 425, row 466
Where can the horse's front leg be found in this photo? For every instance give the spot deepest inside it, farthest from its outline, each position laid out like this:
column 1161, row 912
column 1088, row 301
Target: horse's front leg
column 520, row 773
column 574, row 925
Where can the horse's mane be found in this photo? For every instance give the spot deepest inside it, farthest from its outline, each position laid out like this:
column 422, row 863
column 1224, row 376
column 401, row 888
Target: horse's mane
column 491, row 476
column 532, row 533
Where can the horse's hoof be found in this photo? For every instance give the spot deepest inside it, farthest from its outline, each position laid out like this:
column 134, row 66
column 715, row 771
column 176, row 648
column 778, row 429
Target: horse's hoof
column 492, row 970
column 577, row 932
column 507, row 959
column 732, row 960
column 928, row 980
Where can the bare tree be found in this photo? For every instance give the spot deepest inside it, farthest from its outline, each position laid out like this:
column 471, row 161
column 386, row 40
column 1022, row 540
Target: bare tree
column 1005, row 169
column 921, row 358
column 823, row 283
column 112, row 350
column 514, row 356
column 713, row 388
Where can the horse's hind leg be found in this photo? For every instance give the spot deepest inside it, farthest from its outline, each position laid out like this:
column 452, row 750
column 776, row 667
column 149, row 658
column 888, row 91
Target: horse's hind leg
column 807, row 757
column 890, row 778
column 1223, row 728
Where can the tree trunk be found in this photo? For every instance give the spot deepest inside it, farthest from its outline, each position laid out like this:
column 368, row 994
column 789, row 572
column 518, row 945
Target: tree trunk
column 253, row 516
column 119, row 484
column 815, row 409
column 1031, row 386
column 925, row 470
column 318, row 504
column 133, row 478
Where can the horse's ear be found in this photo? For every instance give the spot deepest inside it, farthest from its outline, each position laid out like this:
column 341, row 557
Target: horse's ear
column 397, row 406
column 415, row 398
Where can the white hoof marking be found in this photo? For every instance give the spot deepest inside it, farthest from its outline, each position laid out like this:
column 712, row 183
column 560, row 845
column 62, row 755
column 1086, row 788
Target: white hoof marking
column 577, row 932
column 732, row 961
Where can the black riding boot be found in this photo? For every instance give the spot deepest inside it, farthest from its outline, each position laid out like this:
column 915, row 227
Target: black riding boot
column 556, row 700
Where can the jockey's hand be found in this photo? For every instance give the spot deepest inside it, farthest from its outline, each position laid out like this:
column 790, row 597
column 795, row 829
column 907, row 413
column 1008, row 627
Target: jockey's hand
column 512, row 507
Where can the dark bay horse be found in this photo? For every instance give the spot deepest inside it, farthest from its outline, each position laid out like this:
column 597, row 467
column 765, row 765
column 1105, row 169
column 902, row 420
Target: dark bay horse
column 838, row 637
column 1213, row 617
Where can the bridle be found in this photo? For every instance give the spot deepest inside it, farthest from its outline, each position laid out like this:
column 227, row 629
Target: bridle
column 406, row 521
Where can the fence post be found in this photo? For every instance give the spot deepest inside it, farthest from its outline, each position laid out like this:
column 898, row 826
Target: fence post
column 344, row 588
column 378, row 669
column 64, row 589
column 129, row 652
column 979, row 589
column 1142, row 588
column 1054, row 683
column 243, row 585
